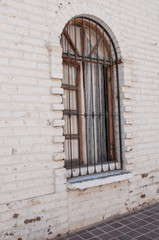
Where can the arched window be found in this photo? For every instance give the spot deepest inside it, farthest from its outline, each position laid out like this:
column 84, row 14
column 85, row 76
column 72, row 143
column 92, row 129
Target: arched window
column 91, row 99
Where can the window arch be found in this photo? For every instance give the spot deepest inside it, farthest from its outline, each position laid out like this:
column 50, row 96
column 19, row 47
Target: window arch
column 91, row 99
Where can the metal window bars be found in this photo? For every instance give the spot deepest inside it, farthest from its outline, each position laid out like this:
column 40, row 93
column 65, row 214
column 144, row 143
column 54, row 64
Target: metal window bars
column 92, row 102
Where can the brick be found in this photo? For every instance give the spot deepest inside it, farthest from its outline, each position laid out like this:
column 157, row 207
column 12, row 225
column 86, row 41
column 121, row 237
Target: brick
column 127, row 108
column 57, row 107
column 129, row 135
column 59, row 156
column 58, row 139
column 58, row 123
column 128, row 121
column 57, row 91
column 127, row 95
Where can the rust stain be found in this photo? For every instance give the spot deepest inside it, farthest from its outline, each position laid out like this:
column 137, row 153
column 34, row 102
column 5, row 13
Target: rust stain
column 120, row 61
column 151, row 177
column 143, row 196
column 58, row 235
column 144, row 175
column 16, row 215
column 19, row 239
column 32, row 220
column 9, row 234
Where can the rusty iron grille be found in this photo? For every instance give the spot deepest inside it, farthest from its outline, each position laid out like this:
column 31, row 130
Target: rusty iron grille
column 91, row 99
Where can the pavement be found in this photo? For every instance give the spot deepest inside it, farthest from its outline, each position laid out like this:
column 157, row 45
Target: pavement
column 138, row 225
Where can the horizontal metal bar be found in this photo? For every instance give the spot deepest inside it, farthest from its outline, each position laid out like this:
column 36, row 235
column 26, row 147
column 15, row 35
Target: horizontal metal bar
column 69, row 87
column 69, row 112
column 91, row 59
column 86, row 59
column 73, row 136
column 72, row 165
column 75, row 163
column 74, row 112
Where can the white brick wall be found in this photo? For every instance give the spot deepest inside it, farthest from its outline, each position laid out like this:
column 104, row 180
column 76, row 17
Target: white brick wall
column 34, row 202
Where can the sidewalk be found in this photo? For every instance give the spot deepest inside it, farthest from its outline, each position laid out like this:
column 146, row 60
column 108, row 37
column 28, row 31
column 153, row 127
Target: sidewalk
column 138, row 225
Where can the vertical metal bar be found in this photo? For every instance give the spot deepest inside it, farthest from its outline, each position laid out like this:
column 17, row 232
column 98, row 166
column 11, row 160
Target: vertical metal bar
column 68, row 52
column 100, row 102
column 92, row 90
column 119, row 114
column 118, row 96
column 112, row 94
column 104, row 98
column 83, row 66
column 107, row 117
column 106, row 106
column 79, row 157
column 104, row 86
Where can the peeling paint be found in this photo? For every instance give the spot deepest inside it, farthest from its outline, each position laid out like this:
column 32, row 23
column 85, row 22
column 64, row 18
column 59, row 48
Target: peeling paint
column 9, row 234
column 143, row 196
column 58, row 235
column 32, row 220
column 144, row 175
column 16, row 215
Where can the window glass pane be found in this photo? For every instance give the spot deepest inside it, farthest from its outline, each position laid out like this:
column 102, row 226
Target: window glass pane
column 69, row 99
column 73, row 144
column 70, row 121
column 95, row 102
column 95, row 43
column 69, row 78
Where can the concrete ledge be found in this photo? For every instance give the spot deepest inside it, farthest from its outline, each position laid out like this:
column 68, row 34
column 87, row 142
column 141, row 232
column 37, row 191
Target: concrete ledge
column 98, row 179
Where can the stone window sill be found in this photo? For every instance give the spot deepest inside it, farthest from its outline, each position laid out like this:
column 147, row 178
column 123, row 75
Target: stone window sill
column 98, row 179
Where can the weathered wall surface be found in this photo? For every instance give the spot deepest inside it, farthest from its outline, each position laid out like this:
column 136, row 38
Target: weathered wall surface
column 34, row 200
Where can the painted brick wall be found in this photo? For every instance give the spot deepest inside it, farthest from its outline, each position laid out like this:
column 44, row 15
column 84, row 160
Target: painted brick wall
column 34, row 200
